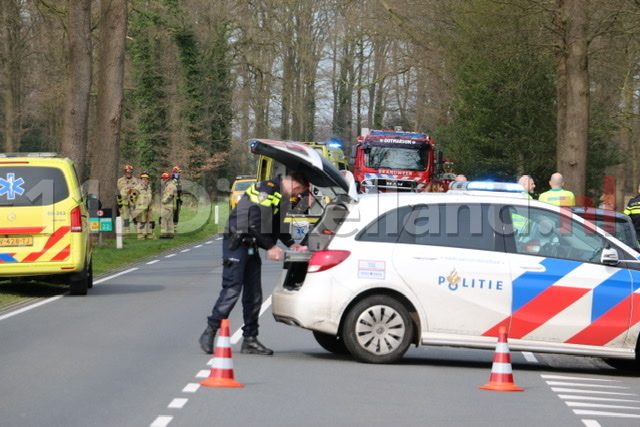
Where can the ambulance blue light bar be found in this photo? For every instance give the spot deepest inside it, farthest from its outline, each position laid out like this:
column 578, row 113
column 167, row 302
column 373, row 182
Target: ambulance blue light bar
column 508, row 187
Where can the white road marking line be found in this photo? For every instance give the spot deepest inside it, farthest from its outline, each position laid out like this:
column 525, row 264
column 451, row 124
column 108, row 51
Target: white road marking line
column 584, row 385
column 598, row 405
column 605, row 414
column 153, row 262
column 198, row 246
column 170, row 255
column 574, row 390
column 605, row 399
column 185, row 250
column 564, row 377
column 32, row 306
column 203, row 373
column 191, row 388
column 529, row 357
column 178, row 403
column 113, row 276
column 162, row 421
column 591, row 423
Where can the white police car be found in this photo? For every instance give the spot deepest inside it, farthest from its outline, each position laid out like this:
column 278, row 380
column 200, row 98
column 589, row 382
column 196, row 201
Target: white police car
column 394, row 269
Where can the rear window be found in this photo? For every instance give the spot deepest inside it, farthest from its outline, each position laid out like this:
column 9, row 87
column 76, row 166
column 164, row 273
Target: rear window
column 31, row 186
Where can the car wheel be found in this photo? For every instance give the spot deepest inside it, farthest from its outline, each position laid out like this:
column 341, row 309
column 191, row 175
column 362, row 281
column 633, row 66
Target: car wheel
column 79, row 283
column 378, row 329
column 331, row 343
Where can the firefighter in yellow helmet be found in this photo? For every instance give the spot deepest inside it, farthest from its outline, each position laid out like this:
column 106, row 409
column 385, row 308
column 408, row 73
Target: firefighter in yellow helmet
column 143, row 207
column 168, row 203
column 124, row 189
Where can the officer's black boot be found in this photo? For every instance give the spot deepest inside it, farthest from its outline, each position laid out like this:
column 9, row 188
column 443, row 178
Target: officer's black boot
column 206, row 339
column 251, row 345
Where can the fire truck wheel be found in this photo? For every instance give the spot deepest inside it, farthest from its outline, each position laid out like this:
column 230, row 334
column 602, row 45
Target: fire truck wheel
column 378, row 329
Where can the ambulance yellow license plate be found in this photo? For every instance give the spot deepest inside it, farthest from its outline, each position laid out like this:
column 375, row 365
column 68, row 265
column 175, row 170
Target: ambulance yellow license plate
column 16, row 241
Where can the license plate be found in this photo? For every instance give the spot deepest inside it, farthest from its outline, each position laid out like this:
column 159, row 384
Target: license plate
column 16, row 241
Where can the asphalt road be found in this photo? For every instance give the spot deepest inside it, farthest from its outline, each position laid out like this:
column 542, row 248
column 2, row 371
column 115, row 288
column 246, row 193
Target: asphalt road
column 127, row 355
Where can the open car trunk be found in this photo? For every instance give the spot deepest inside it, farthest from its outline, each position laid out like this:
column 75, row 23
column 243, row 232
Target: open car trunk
column 317, row 239
column 337, row 186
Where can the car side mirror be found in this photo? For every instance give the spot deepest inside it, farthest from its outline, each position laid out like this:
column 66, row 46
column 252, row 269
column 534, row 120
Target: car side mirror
column 609, row 256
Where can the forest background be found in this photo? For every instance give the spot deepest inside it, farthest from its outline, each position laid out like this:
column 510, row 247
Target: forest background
column 505, row 87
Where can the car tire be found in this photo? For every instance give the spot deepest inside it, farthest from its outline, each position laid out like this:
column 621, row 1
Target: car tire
column 378, row 329
column 79, row 283
column 331, row 343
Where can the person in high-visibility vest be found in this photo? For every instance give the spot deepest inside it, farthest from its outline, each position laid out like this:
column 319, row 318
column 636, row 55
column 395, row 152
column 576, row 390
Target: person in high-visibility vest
column 633, row 211
column 557, row 195
column 256, row 222
column 528, row 184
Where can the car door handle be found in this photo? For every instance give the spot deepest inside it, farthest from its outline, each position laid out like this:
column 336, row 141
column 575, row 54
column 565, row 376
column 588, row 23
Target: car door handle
column 533, row 267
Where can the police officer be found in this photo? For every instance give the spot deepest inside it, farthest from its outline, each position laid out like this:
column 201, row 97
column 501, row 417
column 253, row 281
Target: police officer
column 167, row 206
column 143, row 210
column 633, row 210
column 255, row 222
column 124, row 188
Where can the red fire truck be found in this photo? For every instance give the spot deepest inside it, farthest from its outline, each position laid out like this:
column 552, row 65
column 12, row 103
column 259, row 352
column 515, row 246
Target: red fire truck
column 395, row 160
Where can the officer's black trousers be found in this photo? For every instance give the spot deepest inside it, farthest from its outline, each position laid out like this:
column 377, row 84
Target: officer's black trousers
column 241, row 272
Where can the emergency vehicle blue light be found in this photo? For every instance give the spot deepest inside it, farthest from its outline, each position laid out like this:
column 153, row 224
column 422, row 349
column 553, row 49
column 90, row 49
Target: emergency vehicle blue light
column 335, row 143
column 398, row 134
column 510, row 187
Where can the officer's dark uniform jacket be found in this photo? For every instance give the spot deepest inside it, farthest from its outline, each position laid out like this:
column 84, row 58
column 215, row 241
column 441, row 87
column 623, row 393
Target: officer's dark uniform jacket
column 259, row 215
column 633, row 211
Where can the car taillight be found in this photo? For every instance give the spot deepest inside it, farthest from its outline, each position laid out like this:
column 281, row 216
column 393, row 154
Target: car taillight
column 324, row 260
column 76, row 219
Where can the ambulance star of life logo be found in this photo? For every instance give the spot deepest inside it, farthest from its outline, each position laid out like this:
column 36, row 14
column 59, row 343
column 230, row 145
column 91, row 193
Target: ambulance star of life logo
column 11, row 186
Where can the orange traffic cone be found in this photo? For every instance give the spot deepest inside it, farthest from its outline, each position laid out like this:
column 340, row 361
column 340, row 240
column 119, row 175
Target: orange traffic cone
column 221, row 374
column 501, row 378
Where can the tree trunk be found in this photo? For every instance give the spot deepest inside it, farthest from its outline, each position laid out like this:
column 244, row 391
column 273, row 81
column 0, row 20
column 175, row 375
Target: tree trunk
column 573, row 134
column 10, row 76
column 111, row 50
column 76, row 110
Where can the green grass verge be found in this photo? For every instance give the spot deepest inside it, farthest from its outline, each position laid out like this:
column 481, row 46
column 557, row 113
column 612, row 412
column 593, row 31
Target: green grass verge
column 197, row 223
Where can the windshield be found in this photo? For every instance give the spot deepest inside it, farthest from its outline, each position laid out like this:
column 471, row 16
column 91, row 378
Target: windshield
column 242, row 185
column 405, row 158
column 623, row 230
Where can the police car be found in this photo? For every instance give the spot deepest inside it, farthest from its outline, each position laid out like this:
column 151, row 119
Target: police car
column 385, row 271
column 44, row 222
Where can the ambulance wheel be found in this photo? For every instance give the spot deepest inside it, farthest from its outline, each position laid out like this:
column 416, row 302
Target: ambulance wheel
column 378, row 329
column 79, row 283
column 331, row 343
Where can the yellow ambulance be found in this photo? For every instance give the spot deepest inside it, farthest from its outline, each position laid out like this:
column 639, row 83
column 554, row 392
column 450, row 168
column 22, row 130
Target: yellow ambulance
column 44, row 222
